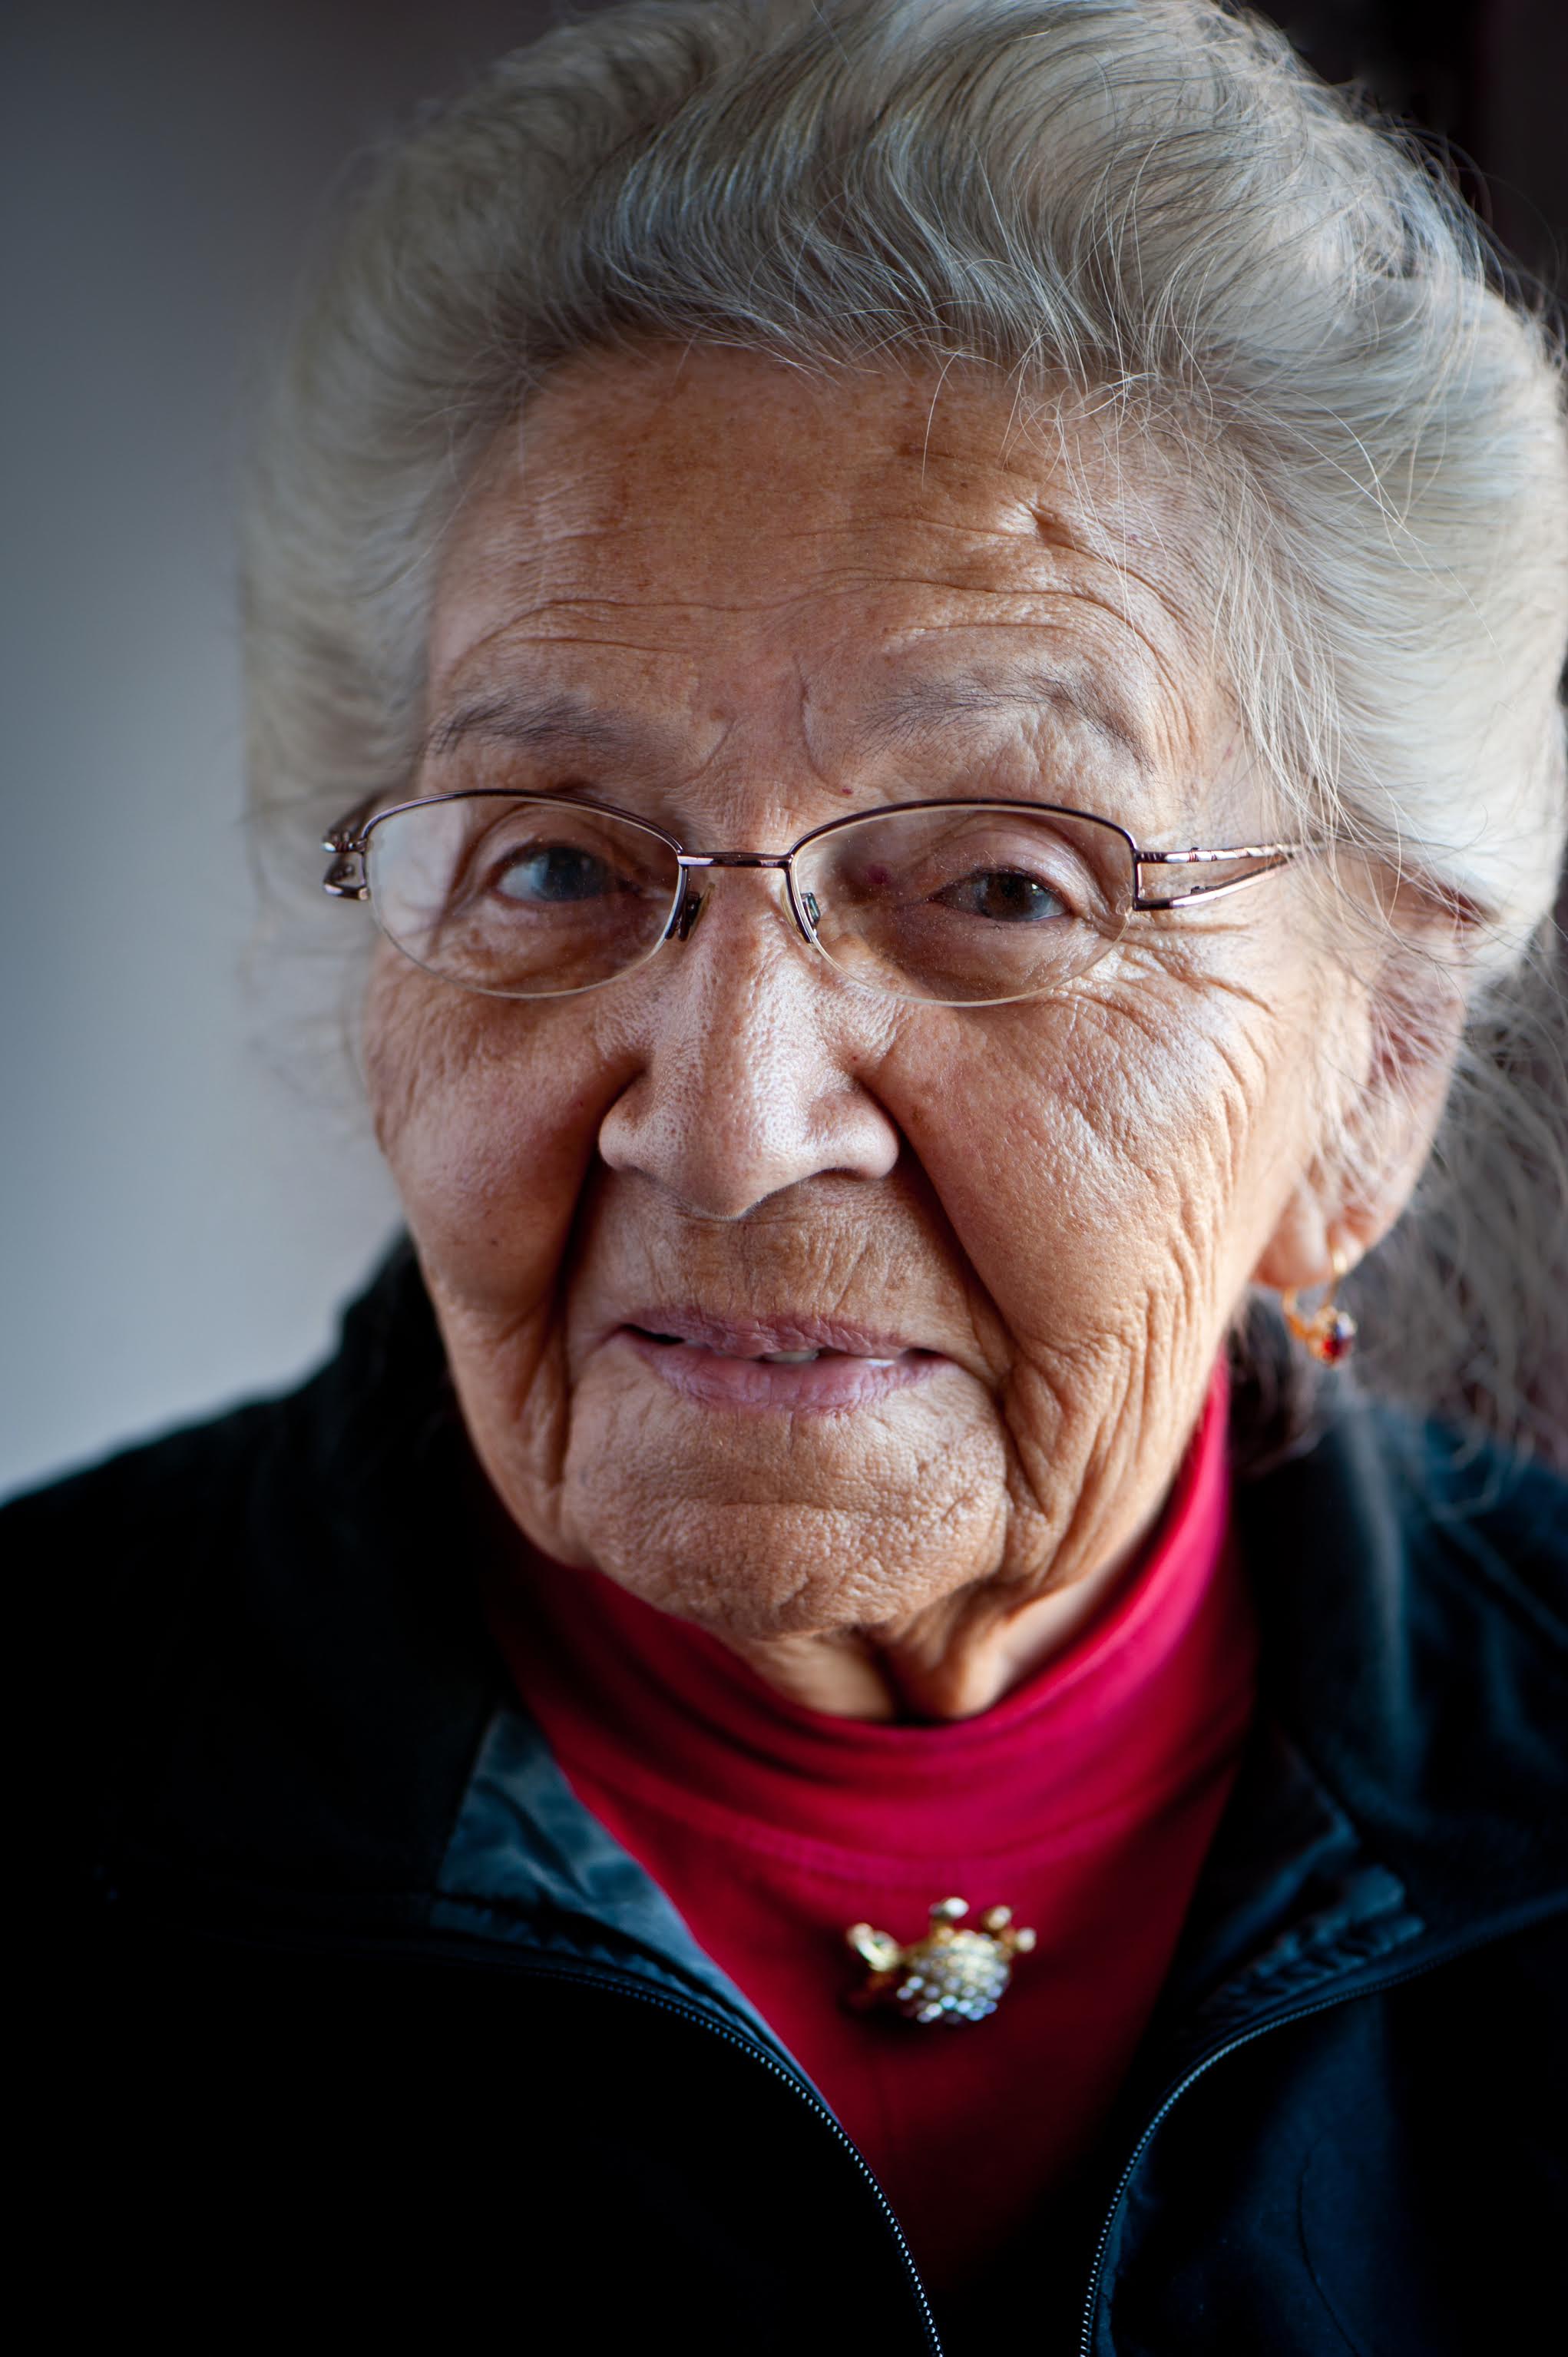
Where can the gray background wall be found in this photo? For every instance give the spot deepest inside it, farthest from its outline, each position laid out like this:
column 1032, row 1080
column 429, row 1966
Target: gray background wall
column 183, row 1207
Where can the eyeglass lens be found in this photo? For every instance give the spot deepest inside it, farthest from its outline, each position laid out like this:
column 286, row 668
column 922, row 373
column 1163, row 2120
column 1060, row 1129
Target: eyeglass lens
column 962, row 904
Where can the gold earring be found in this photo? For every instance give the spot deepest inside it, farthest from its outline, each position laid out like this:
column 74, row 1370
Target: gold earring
column 1329, row 1333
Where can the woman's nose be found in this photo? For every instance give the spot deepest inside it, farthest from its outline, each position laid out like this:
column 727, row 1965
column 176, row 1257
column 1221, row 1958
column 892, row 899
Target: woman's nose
column 747, row 1080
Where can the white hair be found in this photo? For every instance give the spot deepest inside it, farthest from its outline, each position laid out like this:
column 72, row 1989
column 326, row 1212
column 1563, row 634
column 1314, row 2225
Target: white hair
column 1151, row 203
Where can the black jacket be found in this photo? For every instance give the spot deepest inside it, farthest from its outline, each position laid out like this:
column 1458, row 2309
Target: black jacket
column 362, row 2030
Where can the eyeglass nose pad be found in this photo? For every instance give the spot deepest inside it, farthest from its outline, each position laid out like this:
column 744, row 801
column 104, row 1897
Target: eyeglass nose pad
column 690, row 908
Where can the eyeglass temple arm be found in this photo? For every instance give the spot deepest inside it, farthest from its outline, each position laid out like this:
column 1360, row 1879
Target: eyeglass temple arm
column 1270, row 855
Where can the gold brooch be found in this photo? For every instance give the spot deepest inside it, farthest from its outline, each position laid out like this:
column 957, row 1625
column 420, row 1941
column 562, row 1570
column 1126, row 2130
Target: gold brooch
column 950, row 1976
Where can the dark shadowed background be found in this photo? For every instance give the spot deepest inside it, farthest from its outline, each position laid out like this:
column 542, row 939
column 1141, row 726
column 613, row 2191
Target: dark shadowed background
column 182, row 1211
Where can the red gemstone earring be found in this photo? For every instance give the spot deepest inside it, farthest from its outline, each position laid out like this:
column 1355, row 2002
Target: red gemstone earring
column 1329, row 1333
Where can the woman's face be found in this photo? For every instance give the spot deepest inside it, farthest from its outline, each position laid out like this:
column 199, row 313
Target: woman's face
column 740, row 601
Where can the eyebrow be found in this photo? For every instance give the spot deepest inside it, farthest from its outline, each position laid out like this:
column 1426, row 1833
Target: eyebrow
column 561, row 723
column 568, row 722
column 1023, row 686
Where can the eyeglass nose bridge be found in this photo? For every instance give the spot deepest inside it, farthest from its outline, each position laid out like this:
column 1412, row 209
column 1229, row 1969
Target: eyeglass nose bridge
column 689, row 906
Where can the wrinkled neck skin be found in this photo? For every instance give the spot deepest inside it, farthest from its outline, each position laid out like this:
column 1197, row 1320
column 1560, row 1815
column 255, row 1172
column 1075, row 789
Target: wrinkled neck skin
column 740, row 601
column 956, row 1663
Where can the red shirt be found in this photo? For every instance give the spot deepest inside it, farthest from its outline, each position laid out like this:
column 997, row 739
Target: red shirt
column 1085, row 1800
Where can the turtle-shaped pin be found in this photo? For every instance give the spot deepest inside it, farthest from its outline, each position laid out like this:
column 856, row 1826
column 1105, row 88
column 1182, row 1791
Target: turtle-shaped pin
column 951, row 1975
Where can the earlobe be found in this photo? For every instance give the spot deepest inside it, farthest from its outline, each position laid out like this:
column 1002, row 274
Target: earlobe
column 1301, row 1251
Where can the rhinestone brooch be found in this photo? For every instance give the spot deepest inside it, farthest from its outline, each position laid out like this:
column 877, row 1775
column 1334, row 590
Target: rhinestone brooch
column 948, row 1976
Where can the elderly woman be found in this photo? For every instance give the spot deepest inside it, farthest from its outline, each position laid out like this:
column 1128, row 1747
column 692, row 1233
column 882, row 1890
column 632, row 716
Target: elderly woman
column 931, row 634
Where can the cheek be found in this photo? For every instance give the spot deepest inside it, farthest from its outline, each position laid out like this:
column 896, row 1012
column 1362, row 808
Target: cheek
column 1116, row 1167
column 486, row 1111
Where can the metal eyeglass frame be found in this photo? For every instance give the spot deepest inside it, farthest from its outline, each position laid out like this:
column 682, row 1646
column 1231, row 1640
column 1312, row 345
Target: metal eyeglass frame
column 348, row 843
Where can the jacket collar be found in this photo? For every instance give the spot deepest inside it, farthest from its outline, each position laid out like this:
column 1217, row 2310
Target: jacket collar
column 528, row 1865
column 1396, row 1801
column 1414, row 1659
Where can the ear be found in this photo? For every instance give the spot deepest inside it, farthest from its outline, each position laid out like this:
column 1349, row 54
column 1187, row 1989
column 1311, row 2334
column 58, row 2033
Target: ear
column 1411, row 1023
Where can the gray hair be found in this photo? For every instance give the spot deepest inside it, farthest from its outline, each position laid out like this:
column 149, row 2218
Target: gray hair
column 1148, row 203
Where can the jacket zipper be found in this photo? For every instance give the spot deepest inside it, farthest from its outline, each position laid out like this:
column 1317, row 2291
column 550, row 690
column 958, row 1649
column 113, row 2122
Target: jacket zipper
column 624, row 1986
column 620, row 1984
column 1324, row 2004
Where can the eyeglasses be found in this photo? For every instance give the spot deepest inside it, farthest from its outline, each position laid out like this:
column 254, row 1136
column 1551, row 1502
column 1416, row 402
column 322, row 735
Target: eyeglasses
column 952, row 903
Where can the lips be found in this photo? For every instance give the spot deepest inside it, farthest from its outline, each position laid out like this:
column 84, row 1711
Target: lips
column 786, row 1337
column 784, row 1362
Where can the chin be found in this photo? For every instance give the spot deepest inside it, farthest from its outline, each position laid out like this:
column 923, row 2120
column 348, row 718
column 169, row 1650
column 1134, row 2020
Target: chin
column 749, row 1573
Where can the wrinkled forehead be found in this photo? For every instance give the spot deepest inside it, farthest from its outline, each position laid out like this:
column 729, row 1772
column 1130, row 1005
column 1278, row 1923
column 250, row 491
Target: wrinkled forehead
column 715, row 530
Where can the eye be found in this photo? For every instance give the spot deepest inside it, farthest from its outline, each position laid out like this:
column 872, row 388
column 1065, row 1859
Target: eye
column 551, row 873
column 1004, row 895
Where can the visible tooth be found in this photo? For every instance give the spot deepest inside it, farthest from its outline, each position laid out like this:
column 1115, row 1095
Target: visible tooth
column 789, row 1358
column 879, row 1362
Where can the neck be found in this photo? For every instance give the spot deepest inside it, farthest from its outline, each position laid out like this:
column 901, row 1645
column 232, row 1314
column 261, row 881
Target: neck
column 952, row 1665
column 962, row 1656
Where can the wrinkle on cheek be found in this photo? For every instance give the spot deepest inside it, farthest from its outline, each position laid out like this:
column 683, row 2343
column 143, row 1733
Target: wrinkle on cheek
column 486, row 1137
column 1093, row 1423
column 1139, row 1162
column 488, row 1114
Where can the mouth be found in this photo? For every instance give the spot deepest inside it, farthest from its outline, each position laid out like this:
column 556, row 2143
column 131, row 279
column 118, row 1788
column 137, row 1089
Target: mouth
column 775, row 1362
